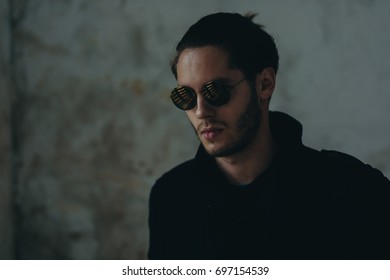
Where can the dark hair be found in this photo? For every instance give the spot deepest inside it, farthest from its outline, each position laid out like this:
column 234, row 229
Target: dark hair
column 251, row 49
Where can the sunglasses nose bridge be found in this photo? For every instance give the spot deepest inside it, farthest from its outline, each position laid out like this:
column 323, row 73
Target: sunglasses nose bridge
column 203, row 109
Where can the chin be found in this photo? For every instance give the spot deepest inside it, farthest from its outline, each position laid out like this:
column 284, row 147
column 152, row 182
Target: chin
column 221, row 151
column 211, row 149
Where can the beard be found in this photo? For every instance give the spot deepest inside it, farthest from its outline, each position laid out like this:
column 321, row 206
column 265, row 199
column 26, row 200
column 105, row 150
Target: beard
column 246, row 125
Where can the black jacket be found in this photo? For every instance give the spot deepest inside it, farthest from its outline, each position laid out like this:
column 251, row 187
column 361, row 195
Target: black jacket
column 309, row 205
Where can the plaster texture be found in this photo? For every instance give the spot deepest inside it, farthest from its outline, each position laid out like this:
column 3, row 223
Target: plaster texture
column 97, row 128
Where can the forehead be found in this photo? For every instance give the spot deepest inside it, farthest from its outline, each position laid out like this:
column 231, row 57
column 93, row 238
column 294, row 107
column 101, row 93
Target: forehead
column 197, row 66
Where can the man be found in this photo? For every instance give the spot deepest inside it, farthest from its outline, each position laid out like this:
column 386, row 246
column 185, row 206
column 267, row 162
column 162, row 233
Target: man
column 253, row 190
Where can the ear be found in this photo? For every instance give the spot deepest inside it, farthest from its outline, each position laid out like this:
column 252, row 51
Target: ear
column 265, row 83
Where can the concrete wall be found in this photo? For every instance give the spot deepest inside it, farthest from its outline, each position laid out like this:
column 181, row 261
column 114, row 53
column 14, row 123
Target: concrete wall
column 97, row 127
column 6, row 223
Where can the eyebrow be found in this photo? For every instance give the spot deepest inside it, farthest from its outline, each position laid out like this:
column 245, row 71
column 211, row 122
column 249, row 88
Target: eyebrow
column 218, row 80
column 222, row 80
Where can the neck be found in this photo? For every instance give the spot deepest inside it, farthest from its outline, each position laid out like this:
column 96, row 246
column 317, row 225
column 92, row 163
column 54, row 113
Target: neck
column 244, row 167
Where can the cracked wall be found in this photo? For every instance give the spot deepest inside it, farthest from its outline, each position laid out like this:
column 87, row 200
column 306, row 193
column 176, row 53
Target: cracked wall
column 6, row 222
column 95, row 127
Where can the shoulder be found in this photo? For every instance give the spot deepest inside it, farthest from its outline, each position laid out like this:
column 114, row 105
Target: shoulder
column 351, row 165
column 178, row 173
column 172, row 180
column 336, row 169
column 342, row 158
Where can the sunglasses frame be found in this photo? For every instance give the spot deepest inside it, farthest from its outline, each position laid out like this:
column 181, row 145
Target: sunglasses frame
column 216, row 93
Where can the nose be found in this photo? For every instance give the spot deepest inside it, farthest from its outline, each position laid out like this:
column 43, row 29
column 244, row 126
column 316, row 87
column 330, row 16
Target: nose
column 203, row 109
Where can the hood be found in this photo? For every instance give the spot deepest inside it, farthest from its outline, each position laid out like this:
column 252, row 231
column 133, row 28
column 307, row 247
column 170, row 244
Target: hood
column 286, row 131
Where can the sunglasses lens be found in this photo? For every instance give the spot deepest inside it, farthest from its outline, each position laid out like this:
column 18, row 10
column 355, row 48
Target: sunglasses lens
column 216, row 94
column 183, row 97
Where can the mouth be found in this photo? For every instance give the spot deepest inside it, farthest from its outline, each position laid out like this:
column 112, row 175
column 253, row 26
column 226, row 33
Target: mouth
column 211, row 133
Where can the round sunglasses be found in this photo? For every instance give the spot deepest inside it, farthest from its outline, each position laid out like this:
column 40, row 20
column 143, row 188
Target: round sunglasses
column 216, row 93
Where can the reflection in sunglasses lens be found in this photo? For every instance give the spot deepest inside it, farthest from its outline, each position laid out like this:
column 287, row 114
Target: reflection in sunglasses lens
column 216, row 94
column 183, row 98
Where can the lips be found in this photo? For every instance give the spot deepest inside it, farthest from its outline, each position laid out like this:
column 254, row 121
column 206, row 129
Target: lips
column 211, row 133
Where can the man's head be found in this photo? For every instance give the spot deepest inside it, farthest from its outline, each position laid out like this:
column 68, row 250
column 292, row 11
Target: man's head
column 250, row 48
column 225, row 67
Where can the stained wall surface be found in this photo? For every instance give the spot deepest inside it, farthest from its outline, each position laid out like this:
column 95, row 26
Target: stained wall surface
column 6, row 217
column 97, row 128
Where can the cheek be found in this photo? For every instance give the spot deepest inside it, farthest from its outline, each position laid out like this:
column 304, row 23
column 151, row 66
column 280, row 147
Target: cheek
column 236, row 107
column 191, row 117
